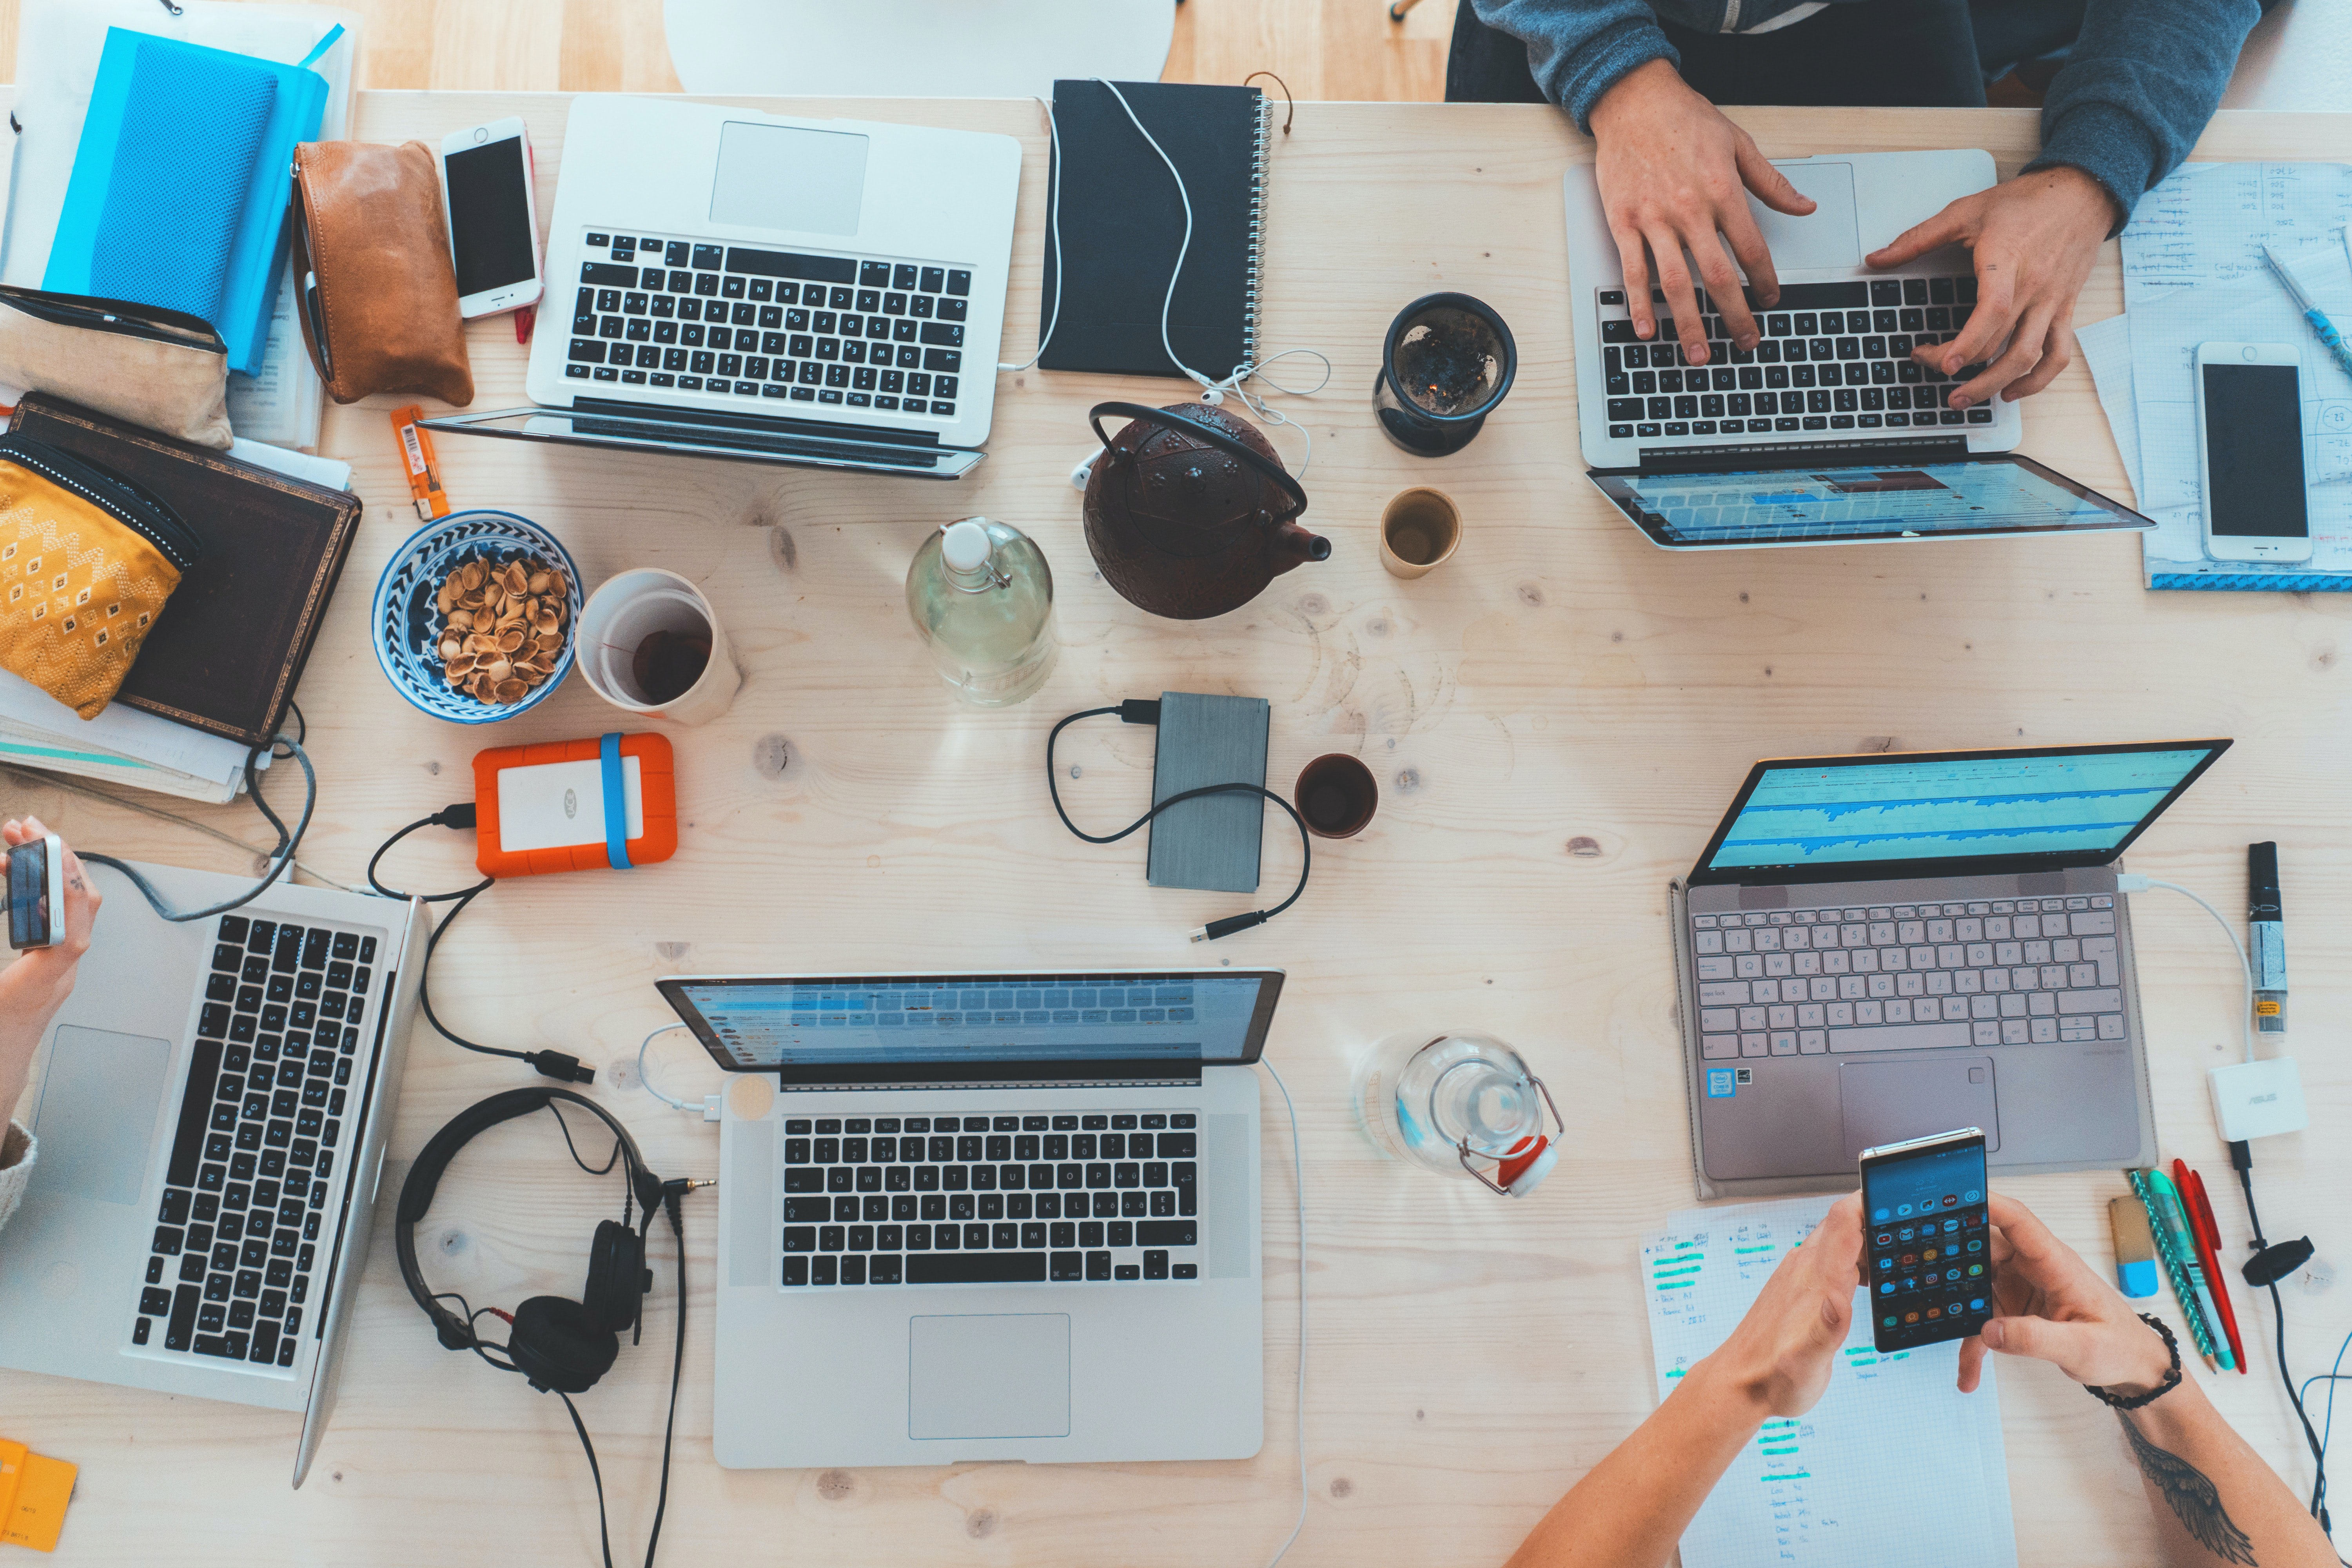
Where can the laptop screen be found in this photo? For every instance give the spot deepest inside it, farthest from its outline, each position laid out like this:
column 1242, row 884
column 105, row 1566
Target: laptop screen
column 1941, row 812
column 1993, row 493
column 867, row 1028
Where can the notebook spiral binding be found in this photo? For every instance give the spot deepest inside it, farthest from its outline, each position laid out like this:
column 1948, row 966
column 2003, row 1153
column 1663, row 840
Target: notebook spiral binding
column 1256, row 228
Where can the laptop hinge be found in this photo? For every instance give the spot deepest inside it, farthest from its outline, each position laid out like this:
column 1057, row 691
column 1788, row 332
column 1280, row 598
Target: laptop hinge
column 1802, row 455
column 817, row 429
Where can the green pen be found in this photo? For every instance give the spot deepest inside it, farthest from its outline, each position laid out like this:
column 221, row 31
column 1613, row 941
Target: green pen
column 2184, row 1246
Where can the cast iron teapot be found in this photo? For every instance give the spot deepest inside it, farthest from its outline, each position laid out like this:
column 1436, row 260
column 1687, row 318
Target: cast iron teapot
column 1189, row 509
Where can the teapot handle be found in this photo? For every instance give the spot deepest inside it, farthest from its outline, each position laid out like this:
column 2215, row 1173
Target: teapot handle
column 1206, row 433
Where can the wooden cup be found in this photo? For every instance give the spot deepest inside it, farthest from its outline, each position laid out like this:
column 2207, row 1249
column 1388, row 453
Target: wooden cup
column 1420, row 529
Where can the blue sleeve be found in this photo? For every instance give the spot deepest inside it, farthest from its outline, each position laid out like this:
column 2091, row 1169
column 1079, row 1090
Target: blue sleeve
column 2139, row 86
column 1578, row 49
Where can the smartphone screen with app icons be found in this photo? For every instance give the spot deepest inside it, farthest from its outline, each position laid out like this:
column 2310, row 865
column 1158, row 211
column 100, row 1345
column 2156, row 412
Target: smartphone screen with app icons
column 1927, row 1247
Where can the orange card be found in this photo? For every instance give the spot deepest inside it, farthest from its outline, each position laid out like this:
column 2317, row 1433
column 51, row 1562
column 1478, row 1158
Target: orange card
column 44, row 1486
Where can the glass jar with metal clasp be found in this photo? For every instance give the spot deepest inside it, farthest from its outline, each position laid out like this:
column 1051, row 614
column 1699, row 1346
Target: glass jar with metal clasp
column 1459, row 1103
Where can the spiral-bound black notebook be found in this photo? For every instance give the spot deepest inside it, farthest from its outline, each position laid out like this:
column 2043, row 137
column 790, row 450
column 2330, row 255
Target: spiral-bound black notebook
column 1122, row 221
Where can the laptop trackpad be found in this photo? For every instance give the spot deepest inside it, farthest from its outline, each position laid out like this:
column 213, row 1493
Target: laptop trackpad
column 96, row 1113
column 1829, row 236
column 1887, row 1103
column 1004, row 1376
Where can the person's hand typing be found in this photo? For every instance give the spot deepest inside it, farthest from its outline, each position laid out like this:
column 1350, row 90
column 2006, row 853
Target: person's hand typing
column 1780, row 1353
column 2053, row 1306
column 2034, row 240
column 1673, row 173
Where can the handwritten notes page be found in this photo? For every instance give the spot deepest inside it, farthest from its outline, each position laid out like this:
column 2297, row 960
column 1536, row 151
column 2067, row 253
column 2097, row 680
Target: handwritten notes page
column 1892, row 1469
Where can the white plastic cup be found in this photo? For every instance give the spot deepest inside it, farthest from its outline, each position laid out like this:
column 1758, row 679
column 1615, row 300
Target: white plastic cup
column 633, row 606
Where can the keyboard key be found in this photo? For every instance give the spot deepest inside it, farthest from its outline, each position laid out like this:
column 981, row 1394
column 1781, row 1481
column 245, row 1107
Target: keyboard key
column 1168, row 1233
column 984, row 1268
column 1155, row 1265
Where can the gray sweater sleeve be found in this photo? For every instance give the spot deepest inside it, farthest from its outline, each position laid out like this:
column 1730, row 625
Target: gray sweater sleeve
column 16, row 1150
column 2139, row 86
column 1578, row 49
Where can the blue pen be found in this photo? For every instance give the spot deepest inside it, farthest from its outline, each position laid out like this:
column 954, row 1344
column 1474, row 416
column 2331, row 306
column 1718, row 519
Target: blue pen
column 2312, row 313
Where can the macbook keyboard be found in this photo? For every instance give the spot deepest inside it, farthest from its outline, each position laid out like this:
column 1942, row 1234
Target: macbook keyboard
column 770, row 326
column 2006, row 972
column 236, row 1242
column 1833, row 356
column 991, row 1199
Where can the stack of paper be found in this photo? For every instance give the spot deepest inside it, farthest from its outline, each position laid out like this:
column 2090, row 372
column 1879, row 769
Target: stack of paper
column 2194, row 272
column 58, row 43
column 1839, row 1485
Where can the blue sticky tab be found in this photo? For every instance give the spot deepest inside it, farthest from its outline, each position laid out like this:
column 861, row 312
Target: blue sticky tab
column 2136, row 1280
column 616, row 803
column 1718, row 1083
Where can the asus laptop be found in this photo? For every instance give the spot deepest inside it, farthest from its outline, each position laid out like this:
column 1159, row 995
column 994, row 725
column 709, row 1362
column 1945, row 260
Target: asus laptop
column 1826, row 432
column 725, row 283
column 987, row 1217
column 1877, row 947
column 211, row 1113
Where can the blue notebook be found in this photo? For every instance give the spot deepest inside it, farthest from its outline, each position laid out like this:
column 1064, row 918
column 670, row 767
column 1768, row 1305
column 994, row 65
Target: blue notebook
column 179, row 192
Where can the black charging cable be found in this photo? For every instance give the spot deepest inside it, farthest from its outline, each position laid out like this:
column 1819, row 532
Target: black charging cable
column 288, row 838
column 2264, row 1270
column 1140, row 710
column 557, row 1065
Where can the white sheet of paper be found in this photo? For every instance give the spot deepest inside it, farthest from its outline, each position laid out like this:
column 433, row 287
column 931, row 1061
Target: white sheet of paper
column 1839, row 1486
column 2106, row 354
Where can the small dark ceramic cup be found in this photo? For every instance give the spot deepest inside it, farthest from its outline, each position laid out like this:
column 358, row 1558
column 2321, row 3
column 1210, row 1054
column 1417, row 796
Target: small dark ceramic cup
column 1336, row 797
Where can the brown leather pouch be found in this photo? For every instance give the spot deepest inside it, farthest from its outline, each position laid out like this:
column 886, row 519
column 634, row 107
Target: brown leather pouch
column 379, row 295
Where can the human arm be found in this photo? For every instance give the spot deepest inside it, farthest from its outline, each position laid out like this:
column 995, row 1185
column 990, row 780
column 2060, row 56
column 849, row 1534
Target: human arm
column 2214, row 1500
column 38, row 982
column 1632, row 1508
column 2139, row 84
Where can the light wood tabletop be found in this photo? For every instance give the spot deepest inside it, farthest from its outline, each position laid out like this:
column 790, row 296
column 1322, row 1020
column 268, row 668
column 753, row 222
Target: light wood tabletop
column 1556, row 717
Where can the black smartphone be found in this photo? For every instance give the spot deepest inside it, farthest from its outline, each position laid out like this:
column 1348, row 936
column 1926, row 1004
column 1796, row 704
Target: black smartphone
column 1928, row 1252
column 36, row 871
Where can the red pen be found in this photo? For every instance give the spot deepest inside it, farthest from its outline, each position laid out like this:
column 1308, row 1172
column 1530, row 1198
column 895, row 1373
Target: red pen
column 2208, row 1235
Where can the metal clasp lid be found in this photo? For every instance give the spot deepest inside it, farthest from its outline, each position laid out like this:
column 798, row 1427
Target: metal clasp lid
column 1524, row 1168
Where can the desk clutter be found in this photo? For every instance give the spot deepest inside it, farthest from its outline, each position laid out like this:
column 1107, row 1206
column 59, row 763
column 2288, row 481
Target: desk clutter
column 1869, row 949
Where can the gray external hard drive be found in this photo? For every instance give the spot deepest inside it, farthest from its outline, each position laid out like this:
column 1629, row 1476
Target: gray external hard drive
column 1213, row 843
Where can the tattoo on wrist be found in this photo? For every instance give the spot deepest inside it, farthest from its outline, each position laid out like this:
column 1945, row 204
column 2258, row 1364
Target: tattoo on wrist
column 2193, row 1498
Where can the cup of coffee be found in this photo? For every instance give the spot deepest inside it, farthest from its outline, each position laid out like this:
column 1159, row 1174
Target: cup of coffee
column 1420, row 529
column 1336, row 797
column 651, row 643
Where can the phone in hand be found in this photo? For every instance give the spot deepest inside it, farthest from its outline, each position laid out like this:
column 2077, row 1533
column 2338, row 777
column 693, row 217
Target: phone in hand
column 36, row 880
column 2250, row 452
column 1927, row 1256
column 485, row 190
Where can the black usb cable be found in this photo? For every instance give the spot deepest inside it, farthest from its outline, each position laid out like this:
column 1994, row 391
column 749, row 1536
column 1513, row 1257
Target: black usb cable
column 1141, row 711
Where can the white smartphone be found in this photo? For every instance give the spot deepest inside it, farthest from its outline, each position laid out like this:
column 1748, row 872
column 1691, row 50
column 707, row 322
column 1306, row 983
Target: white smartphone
column 493, row 222
column 2249, row 451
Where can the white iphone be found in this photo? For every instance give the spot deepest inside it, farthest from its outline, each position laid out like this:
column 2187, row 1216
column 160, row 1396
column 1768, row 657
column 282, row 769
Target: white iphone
column 493, row 224
column 2250, row 452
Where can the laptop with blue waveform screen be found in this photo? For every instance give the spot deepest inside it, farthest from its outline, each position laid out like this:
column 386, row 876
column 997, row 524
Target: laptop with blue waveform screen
column 2031, row 808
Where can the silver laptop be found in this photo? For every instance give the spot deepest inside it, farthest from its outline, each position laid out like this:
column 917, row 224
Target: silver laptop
column 1877, row 947
column 212, row 1112
column 726, row 283
column 1826, row 432
column 987, row 1217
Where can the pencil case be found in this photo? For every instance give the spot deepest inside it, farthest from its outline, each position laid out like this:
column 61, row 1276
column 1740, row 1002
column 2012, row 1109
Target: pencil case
column 377, row 288
column 165, row 370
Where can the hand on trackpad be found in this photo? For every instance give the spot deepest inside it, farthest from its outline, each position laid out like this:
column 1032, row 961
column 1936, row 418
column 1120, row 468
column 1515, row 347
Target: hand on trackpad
column 1827, row 236
column 988, row 1375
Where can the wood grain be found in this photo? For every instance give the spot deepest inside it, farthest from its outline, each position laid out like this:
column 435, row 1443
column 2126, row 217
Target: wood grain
column 1557, row 719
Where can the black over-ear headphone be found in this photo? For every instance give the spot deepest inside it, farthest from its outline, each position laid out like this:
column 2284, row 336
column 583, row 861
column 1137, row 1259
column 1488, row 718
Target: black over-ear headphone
column 556, row 1343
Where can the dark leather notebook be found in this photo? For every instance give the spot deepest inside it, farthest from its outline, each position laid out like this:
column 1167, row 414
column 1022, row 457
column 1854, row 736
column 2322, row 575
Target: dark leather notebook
column 1122, row 220
column 227, row 653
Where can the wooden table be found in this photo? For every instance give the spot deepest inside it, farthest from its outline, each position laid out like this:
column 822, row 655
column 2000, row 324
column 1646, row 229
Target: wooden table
column 1557, row 719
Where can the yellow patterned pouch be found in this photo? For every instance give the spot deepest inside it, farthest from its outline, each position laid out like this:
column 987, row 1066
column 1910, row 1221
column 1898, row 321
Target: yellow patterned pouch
column 87, row 560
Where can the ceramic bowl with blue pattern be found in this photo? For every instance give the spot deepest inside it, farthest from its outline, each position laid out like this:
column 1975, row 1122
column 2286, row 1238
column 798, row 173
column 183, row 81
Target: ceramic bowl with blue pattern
column 408, row 623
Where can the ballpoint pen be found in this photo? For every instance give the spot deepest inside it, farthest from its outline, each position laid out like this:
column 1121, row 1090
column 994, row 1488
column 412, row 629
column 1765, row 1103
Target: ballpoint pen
column 2198, row 1299
column 2208, row 1235
column 2312, row 313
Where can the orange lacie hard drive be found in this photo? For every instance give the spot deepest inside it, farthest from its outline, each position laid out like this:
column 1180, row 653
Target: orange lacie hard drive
column 575, row 805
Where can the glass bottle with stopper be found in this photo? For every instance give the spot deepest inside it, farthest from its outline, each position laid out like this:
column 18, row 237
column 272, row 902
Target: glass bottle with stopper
column 982, row 597
column 1459, row 1103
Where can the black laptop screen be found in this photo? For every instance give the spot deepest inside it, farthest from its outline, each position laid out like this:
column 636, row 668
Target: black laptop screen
column 2072, row 805
column 966, row 1021
column 1995, row 493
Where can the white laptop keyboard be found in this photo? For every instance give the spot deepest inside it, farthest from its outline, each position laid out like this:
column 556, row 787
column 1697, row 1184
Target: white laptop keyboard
column 991, row 1200
column 769, row 327
column 1834, row 356
column 2005, row 971
column 270, row 1092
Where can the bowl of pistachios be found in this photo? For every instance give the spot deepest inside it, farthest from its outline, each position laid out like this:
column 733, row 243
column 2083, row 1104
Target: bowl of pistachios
column 475, row 617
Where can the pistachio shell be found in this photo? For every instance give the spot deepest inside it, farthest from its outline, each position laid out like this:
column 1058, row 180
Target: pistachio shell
column 449, row 647
column 511, row 640
column 541, row 579
column 461, row 620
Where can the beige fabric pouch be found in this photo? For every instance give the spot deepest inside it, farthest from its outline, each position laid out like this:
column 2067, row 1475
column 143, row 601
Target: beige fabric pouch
column 161, row 369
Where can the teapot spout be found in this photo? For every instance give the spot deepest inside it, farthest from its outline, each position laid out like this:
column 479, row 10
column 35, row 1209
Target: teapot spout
column 1295, row 546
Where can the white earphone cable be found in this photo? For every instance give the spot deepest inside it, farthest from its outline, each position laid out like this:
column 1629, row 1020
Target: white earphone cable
column 1298, row 1184
column 657, row 1094
column 1054, row 227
